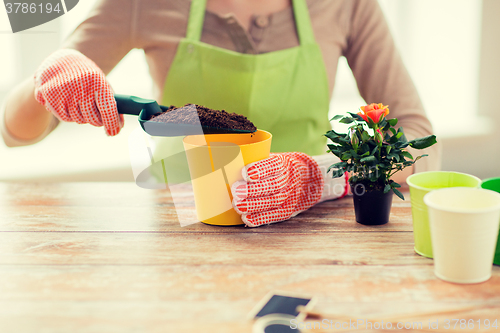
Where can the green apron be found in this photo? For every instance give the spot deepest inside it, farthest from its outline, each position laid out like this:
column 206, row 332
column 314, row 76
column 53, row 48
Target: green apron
column 283, row 92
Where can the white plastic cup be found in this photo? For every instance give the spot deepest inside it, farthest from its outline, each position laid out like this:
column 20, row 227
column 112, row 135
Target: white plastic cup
column 464, row 226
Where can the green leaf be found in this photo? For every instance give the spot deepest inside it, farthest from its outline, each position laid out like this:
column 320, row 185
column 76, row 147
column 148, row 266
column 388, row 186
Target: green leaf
column 346, row 120
column 424, row 142
column 407, row 155
column 371, row 124
column 336, row 138
column 401, row 137
column 381, row 123
column 369, row 160
column 337, row 117
column 395, row 185
column 332, row 147
column 365, row 136
column 393, row 131
column 346, row 156
column 388, row 149
column 385, row 163
column 393, row 139
column 339, row 169
column 387, row 188
column 336, row 153
column 401, row 144
column 339, row 165
column 338, row 173
column 332, row 134
column 392, row 121
column 356, row 116
column 399, row 194
column 382, row 115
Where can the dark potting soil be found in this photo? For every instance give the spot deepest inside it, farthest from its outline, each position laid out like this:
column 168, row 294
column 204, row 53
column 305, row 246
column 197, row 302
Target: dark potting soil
column 190, row 113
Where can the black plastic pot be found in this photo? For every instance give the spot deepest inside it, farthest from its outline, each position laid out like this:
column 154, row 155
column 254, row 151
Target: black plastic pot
column 372, row 207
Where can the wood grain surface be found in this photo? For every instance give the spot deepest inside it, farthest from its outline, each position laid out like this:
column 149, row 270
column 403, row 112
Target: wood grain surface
column 112, row 257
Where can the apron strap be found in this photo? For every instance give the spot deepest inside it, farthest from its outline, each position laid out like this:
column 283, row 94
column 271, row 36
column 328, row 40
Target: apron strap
column 303, row 22
column 196, row 18
column 301, row 13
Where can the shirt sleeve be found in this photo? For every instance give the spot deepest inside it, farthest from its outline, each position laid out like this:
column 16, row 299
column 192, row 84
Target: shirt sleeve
column 107, row 34
column 382, row 77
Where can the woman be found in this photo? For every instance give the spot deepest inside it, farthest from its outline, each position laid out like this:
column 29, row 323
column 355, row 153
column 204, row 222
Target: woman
column 271, row 60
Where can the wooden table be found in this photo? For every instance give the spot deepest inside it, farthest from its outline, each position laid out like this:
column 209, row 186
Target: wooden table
column 111, row 257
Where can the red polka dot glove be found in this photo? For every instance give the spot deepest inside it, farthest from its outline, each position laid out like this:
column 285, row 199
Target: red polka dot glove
column 74, row 89
column 282, row 186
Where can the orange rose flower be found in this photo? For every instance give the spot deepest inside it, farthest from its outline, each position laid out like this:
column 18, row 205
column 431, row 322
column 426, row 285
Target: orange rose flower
column 374, row 111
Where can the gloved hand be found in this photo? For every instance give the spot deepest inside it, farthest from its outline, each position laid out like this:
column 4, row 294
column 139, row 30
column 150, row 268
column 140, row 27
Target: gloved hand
column 282, row 186
column 74, row 89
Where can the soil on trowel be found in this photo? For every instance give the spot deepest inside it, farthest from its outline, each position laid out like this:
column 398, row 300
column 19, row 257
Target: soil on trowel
column 190, row 113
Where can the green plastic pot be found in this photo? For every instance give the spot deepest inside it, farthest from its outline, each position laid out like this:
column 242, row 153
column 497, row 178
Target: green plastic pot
column 423, row 183
column 494, row 185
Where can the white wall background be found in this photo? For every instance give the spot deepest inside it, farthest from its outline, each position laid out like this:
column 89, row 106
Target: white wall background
column 447, row 45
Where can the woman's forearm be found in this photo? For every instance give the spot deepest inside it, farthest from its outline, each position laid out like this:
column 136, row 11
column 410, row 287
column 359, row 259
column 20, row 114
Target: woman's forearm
column 25, row 118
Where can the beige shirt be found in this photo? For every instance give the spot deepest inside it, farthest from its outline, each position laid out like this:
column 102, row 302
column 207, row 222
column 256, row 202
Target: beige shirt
column 355, row 29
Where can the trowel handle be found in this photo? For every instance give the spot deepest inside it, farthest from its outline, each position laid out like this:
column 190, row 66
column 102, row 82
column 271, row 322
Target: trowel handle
column 134, row 105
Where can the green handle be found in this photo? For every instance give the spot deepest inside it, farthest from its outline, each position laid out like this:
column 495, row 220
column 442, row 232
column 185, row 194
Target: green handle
column 134, row 105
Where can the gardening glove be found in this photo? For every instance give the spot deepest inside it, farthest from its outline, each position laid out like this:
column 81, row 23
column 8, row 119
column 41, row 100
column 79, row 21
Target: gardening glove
column 74, row 89
column 334, row 188
column 279, row 187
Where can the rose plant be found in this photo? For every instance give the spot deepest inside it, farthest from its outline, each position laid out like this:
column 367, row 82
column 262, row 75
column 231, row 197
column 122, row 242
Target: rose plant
column 373, row 150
